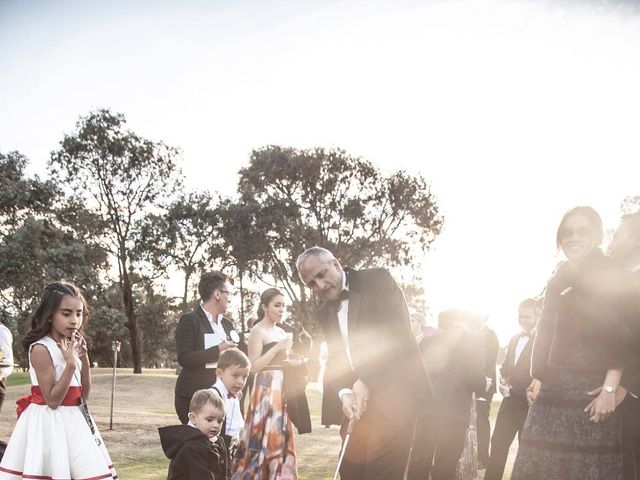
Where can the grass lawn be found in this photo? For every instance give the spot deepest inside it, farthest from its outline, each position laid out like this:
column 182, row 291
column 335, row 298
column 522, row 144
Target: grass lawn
column 145, row 402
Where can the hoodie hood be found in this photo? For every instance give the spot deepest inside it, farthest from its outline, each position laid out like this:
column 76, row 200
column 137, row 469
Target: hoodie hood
column 174, row 437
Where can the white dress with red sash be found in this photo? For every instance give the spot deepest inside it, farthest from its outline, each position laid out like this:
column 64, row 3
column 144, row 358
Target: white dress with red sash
column 55, row 444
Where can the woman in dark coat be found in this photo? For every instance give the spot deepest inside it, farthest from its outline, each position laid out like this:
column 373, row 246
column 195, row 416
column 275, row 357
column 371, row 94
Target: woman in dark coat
column 578, row 348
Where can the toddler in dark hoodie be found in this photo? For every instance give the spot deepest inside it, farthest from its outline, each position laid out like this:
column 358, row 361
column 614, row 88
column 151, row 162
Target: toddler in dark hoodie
column 197, row 450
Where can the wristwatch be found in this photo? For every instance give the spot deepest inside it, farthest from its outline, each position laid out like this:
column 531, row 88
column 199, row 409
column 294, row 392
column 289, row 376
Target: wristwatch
column 610, row 388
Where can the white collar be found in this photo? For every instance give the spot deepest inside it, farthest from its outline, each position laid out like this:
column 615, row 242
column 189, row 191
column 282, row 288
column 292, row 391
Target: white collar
column 221, row 387
column 209, row 315
column 212, row 439
column 344, row 281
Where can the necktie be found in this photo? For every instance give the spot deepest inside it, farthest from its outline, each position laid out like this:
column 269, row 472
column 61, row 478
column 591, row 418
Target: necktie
column 230, row 395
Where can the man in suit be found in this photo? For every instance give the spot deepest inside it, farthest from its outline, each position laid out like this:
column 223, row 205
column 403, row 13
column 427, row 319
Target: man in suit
column 375, row 373
column 456, row 368
column 490, row 345
column 516, row 377
column 625, row 247
column 199, row 363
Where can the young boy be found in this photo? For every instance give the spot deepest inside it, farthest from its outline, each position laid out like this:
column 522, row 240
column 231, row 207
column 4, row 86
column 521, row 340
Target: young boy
column 232, row 372
column 196, row 450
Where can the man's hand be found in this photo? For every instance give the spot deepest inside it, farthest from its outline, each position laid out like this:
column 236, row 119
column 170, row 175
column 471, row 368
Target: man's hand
column 226, row 345
column 361, row 394
column 348, row 405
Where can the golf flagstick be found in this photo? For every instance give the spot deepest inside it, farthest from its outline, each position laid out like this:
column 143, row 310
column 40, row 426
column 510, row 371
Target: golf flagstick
column 344, row 446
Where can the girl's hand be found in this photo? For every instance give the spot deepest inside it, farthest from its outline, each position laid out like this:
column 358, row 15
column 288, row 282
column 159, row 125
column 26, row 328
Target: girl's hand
column 68, row 348
column 81, row 346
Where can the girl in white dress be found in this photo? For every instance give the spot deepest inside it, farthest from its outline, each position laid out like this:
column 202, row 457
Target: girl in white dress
column 55, row 437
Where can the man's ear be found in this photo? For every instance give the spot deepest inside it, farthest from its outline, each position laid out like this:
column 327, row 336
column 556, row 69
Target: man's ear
column 219, row 372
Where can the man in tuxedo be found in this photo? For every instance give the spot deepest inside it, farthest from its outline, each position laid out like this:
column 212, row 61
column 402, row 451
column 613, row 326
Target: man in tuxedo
column 199, row 363
column 456, row 368
column 375, row 373
column 516, row 377
column 490, row 345
column 625, row 247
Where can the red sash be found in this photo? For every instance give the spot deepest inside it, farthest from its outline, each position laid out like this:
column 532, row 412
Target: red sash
column 73, row 397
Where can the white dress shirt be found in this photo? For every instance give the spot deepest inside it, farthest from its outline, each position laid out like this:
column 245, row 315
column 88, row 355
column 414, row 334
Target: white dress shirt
column 522, row 343
column 232, row 411
column 219, row 335
column 343, row 325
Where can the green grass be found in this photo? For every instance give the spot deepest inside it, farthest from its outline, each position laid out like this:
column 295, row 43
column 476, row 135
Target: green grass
column 145, row 402
column 18, row 378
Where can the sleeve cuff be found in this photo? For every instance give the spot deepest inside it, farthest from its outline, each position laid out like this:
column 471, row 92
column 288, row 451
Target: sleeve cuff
column 344, row 391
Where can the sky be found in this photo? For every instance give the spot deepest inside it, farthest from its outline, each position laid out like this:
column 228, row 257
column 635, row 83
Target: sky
column 515, row 111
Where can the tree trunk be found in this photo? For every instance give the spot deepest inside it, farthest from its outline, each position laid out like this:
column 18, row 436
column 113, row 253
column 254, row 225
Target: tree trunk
column 132, row 323
column 240, row 272
column 185, row 294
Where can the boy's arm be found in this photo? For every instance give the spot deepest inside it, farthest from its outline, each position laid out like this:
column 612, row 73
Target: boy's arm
column 194, row 456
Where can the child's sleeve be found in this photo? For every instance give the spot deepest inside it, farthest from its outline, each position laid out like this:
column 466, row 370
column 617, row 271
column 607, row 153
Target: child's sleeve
column 195, row 460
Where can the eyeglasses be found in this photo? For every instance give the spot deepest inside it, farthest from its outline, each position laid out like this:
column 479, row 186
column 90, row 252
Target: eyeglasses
column 227, row 292
column 568, row 232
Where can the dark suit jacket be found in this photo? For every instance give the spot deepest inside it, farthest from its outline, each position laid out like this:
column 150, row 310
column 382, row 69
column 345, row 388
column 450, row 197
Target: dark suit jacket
column 456, row 367
column 519, row 375
column 384, row 351
column 192, row 355
column 491, row 346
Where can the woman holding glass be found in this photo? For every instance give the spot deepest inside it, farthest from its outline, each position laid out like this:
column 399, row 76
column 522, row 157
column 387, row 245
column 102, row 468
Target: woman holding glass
column 266, row 448
column 579, row 348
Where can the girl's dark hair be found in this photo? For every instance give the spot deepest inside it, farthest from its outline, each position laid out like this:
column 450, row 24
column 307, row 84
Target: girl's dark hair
column 266, row 297
column 40, row 320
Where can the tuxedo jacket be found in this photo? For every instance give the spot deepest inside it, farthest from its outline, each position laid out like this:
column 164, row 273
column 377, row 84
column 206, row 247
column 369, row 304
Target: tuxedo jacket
column 518, row 373
column 383, row 349
column 456, row 367
column 192, row 356
column 491, row 347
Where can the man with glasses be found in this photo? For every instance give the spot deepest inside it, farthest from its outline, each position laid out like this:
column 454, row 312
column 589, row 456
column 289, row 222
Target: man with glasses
column 201, row 336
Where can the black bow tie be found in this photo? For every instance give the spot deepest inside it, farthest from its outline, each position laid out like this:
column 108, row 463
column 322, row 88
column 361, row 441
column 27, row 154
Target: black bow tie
column 344, row 295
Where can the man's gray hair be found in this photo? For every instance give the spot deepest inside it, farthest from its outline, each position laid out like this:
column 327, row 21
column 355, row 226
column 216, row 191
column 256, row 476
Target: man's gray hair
column 319, row 252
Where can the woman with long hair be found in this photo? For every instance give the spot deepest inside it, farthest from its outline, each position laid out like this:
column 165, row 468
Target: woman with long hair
column 579, row 348
column 266, row 449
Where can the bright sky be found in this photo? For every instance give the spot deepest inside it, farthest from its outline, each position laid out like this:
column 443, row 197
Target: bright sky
column 514, row 110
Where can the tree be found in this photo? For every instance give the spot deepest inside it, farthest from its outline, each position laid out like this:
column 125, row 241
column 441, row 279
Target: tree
column 121, row 176
column 44, row 237
column 21, row 196
column 181, row 237
column 332, row 199
column 630, row 205
column 245, row 244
